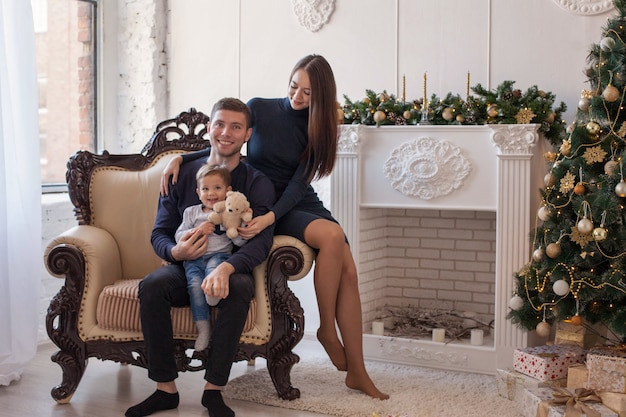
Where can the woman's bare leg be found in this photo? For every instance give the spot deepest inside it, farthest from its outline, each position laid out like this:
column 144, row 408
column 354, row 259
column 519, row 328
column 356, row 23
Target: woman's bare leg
column 336, row 287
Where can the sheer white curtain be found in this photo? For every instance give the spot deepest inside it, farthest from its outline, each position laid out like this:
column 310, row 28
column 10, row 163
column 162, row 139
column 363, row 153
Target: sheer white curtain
column 20, row 191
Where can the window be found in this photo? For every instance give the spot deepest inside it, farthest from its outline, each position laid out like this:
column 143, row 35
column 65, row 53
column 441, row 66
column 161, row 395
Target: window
column 65, row 37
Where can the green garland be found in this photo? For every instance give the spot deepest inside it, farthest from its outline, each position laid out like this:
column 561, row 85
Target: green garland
column 504, row 105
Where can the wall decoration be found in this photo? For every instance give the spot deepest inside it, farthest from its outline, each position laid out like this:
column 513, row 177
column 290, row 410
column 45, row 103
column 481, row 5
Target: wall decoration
column 586, row 7
column 313, row 14
column 427, row 168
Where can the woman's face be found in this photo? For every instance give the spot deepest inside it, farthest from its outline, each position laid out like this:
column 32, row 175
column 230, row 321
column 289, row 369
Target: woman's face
column 299, row 90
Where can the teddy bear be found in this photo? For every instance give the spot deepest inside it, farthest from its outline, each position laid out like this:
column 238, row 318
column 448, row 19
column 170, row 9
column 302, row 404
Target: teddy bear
column 231, row 212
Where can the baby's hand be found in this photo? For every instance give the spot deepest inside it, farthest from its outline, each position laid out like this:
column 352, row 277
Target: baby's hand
column 206, row 228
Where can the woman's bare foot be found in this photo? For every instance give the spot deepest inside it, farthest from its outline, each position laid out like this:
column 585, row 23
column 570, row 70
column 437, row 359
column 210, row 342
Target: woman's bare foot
column 364, row 383
column 334, row 350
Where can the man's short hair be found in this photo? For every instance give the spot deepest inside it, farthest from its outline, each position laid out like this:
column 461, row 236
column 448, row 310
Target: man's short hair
column 233, row 104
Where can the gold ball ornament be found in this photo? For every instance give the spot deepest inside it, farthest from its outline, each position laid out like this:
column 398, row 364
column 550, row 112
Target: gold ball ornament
column 609, row 167
column 543, row 329
column 406, row 114
column 600, row 234
column 383, row 97
column 593, row 128
column 538, row 255
column 448, row 114
column 553, row 250
column 610, row 93
column 620, row 189
column 460, row 118
column 544, row 213
column 379, row 116
column 550, row 117
column 366, row 101
column 576, row 320
column 579, row 189
column 585, row 226
column 492, row 111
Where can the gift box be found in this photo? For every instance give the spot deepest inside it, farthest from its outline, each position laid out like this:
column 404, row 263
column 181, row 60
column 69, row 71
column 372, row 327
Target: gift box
column 538, row 402
column 577, row 376
column 548, row 362
column 583, row 335
column 607, row 369
column 511, row 383
column 615, row 401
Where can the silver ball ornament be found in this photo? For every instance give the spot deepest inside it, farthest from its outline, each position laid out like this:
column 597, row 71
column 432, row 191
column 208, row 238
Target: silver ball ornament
column 544, row 213
column 583, row 104
column 585, row 226
column 600, row 234
column 538, row 255
column 607, row 44
column 609, row 167
column 620, row 189
column 549, row 179
column 516, row 303
column 560, row 287
column 543, row 329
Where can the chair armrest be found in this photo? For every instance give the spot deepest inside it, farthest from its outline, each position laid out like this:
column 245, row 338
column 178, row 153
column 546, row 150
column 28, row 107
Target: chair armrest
column 88, row 257
column 308, row 254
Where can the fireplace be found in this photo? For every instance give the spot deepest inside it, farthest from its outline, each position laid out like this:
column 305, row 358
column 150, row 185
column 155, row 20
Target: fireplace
column 439, row 216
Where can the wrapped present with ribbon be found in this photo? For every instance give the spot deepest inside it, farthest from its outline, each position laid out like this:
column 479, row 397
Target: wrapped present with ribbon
column 561, row 402
column 607, row 369
column 577, row 376
column 548, row 362
column 511, row 384
column 583, row 335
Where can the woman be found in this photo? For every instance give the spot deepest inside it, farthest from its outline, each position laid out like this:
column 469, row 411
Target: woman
column 294, row 140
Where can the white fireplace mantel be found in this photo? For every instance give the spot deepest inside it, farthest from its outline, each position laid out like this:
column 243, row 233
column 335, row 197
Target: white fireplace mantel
column 496, row 168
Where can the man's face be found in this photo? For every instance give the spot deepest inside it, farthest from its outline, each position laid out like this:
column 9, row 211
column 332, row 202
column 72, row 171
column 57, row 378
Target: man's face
column 228, row 131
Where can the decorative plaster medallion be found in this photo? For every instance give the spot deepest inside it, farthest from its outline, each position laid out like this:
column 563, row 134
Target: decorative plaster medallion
column 348, row 138
column 313, row 14
column 586, row 7
column 427, row 168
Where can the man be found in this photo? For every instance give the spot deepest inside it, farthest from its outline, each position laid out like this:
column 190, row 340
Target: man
column 231, row 281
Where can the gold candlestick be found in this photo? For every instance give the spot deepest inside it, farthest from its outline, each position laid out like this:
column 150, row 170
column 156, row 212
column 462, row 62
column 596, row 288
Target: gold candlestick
column 424, row 103
column 467, row 88
column 403, row 88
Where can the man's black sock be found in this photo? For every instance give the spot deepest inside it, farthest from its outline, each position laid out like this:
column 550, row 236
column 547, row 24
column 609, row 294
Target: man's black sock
column 212, row 400
column 159, row 400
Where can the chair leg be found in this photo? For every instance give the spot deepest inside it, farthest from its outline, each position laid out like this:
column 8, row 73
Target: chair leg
column 73, row 371
column 280, row 372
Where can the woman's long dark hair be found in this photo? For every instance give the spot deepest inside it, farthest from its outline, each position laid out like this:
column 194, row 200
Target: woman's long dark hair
column 321, row 150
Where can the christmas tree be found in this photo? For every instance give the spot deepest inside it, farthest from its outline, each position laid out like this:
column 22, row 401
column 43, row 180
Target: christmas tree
column 577, row 271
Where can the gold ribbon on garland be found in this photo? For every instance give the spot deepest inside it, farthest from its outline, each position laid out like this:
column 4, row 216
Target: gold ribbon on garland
column 574, row 403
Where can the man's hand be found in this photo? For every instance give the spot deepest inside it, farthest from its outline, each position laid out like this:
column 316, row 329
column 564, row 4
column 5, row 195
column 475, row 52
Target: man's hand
column 191, row 245
column 216, row 284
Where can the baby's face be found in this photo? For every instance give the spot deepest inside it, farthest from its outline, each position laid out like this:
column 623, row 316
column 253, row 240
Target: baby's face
column 211, row 189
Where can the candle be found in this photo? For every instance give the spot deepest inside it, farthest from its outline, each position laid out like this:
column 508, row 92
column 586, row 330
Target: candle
column 424, row 103
column 378, row 328
column 467, row 88
column 439, row 335
column 476, row 337
column 403, row 88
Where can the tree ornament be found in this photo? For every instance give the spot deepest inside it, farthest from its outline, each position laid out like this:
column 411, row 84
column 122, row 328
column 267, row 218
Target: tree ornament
column 553, row 250
column 379, row 116
column 538, row 255
column 579, row 189
column 583, row 104
column 543, row 329
column 609, row 167
column 566, row 147
column 492, row 111
column 600, row 234
column 620, row 189
column 549, row 179
column 576, row 320
column 560, row 287
column 407, row 114
column 585, row 225
column 460, row 118
column 593, row 128
column 610, row 93
column 544, row 213
column 448, row 114
column 607, row 44
column 516, row 303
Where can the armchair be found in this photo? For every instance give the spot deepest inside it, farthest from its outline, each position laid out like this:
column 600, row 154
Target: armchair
column 104, row 257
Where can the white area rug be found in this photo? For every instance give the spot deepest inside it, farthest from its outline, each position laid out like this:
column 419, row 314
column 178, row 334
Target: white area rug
column 414, row 392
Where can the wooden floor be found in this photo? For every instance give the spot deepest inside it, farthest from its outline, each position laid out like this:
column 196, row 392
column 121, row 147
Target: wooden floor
column 108, row 389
